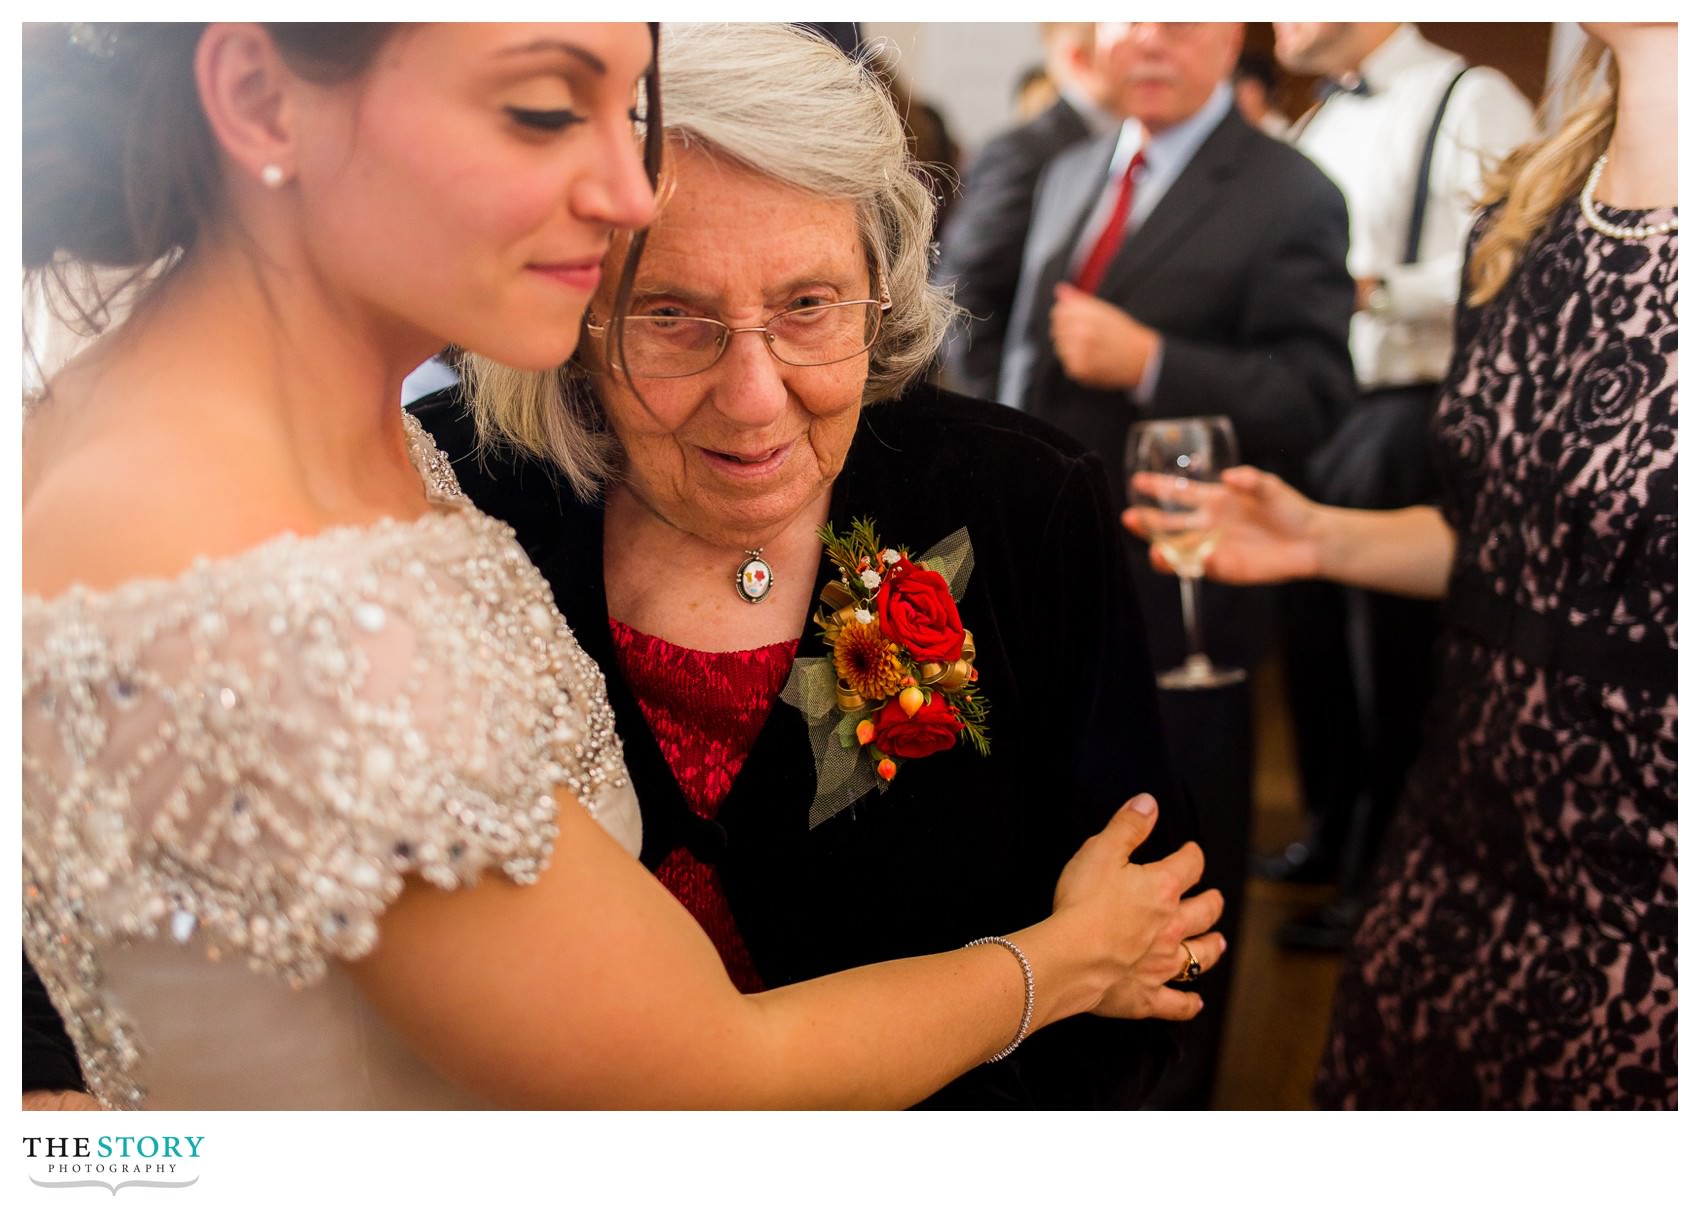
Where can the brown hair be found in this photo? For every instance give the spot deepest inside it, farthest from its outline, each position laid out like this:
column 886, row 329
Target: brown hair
column 120, row 169
column 119, row 166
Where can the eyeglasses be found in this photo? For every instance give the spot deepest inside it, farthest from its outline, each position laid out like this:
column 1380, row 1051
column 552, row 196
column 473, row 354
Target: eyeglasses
column 674, row 346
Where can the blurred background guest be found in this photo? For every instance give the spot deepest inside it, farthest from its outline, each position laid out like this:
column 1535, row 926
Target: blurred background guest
column 1035, row 92
column 1406, row 130
column 1254, row 94
column 1520, row 948
column 980, row 254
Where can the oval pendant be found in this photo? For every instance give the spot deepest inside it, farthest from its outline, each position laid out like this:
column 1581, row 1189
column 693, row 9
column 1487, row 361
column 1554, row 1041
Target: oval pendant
column 754, row 579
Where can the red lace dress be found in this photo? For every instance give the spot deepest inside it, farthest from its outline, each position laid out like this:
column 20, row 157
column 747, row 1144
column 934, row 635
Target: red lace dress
column 705, row 709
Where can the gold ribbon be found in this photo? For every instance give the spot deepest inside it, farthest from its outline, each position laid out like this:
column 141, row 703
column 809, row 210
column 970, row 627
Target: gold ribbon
column 839, row 609
column 955, row 675
column 848, row 699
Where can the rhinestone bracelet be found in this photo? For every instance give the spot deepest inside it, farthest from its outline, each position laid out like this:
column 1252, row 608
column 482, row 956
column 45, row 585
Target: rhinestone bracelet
column 1027, row 975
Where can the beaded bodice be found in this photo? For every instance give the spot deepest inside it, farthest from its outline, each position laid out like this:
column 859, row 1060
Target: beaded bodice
column 244, row 761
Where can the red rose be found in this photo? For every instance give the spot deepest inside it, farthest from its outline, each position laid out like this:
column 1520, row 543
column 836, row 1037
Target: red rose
column 917, row 611
column 932, row 729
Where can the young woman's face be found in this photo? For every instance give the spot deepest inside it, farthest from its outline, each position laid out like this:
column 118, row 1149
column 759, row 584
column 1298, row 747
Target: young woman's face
column 463, row 190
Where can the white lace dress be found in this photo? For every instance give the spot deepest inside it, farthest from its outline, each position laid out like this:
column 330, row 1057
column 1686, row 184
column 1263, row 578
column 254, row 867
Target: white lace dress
column 227, row 774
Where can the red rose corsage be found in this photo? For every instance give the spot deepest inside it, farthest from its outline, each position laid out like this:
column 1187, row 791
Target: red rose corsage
column 900, row 684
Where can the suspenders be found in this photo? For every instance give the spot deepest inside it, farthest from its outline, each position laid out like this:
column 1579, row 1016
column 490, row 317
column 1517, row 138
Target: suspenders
column 1419, row 203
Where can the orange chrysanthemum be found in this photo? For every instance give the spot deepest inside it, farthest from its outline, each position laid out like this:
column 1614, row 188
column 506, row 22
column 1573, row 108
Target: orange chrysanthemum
column 867, row 660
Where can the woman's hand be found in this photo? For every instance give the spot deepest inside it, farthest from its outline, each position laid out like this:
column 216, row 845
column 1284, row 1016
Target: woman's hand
column 1268, row 531
column 1133, row 917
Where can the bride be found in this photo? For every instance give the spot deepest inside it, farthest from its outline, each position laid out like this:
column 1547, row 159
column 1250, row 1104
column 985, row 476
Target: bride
column 323, row 805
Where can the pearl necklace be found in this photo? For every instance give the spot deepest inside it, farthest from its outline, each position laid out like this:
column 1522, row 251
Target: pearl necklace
column 1641, row 231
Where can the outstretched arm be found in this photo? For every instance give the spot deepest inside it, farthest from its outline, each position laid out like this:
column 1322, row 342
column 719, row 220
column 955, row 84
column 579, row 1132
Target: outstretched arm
column 1270, row 532
column 594, row 987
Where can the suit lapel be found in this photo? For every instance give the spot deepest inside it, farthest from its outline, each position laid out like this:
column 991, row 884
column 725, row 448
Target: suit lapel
column 1086, row 188
column 1187, row 204
column 1076, row 193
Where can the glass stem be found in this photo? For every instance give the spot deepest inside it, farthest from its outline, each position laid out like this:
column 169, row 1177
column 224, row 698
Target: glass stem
column 1189, row 616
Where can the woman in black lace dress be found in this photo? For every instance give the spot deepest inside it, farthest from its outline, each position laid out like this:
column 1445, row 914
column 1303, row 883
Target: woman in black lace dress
column 1521, row 951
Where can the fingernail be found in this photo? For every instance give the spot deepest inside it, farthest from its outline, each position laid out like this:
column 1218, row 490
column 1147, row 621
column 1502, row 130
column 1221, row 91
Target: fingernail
column 1142, row 804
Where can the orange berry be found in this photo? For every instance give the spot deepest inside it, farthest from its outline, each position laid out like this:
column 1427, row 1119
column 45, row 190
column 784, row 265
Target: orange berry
column 887, row 769
column 910, row 699
column 908, row 680
column 864, row 732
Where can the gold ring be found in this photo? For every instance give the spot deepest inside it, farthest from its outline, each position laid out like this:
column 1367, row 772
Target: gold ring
column 1191, row 969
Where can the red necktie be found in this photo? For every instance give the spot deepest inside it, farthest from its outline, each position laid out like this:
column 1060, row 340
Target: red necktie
column 1110, row 235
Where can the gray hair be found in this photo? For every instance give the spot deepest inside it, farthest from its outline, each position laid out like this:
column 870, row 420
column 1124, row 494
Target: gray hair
column 790, row 106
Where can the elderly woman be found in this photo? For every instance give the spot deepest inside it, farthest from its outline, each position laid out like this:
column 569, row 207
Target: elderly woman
column 672, row 484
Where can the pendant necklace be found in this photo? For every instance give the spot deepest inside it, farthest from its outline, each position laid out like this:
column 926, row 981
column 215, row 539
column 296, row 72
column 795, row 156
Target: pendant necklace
column 754, row 578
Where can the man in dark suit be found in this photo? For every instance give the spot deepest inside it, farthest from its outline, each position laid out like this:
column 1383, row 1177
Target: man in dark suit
column 981, row 246
column 1228, row 292
column 1188, row 264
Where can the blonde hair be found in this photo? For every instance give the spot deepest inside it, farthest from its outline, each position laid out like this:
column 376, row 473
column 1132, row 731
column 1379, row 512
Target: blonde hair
column 1539, row 177
column 792, row 107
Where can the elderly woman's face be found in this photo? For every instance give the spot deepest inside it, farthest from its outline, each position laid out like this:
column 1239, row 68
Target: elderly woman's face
column 737, row 452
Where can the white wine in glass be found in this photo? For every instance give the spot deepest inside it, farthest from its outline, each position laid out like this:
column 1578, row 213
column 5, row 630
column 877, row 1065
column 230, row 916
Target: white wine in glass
column 1186, row 546
column 1184, row 451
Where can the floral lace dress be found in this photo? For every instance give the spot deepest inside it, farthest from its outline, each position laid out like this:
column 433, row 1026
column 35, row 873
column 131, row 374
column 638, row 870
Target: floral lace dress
column 227, row 774
column 1522, row 949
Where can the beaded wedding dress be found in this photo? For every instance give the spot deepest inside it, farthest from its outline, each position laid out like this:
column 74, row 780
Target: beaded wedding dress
column 228, row 774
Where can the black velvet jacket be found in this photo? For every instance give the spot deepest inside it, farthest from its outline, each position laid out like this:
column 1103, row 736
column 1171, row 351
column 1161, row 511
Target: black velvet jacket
column 959, row 846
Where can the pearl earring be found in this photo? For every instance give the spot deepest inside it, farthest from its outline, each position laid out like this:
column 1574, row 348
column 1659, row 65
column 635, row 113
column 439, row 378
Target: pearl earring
column 271, row 176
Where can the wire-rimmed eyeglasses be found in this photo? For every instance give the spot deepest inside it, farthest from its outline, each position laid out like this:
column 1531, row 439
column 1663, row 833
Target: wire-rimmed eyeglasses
column 674, row 346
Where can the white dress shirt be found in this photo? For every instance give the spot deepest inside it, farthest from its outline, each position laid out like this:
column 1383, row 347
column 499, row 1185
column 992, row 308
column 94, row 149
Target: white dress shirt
column 1372, row 149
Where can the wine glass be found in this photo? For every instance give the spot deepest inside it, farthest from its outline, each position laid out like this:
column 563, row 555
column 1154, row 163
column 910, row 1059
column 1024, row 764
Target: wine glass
column 1186, row 451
